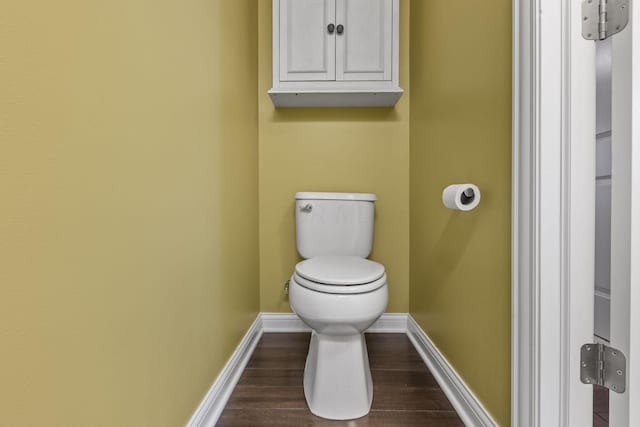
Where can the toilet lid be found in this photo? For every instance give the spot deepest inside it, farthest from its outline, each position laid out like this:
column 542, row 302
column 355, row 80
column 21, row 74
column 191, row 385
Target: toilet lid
column 340, row 270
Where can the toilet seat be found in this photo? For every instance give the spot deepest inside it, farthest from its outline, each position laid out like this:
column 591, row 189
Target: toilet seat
column 340, row 270
column 340, row 274
column 340, row 289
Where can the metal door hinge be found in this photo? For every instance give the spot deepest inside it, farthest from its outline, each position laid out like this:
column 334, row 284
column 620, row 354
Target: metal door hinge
column 603, row 18
column 604, row 366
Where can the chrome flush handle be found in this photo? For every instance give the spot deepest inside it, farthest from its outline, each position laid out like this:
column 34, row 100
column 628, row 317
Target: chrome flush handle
column 306, row 208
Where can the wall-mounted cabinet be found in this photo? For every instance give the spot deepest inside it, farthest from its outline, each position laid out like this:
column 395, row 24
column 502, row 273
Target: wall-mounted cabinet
column 335, row 53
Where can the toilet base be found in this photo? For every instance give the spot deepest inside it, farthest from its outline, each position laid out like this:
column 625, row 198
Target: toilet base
column 337, row 378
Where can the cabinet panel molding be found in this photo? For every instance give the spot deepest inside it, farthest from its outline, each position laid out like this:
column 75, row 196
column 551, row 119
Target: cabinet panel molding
column 307, row 49
column 364, row 50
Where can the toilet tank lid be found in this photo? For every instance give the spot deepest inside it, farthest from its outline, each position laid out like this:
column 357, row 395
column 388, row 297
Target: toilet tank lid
column 366, row 197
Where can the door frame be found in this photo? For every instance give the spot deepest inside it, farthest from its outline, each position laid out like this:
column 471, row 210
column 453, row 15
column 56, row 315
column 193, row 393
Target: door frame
column 625, row 206
column 552, row 233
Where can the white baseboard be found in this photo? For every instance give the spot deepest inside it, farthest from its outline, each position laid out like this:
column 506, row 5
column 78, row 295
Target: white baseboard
column 390, row 323
column 214, row 402
column 290, row 322
column 466, row 404
column 469, row 408
column 282, row 322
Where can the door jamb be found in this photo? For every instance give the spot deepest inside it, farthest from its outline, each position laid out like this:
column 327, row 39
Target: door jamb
column 547, row 249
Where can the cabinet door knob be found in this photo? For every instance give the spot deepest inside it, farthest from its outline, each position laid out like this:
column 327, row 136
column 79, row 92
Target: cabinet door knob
column 340, row 29
column 331, row 28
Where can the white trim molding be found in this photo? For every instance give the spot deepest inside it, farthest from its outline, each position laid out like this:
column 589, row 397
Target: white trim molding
column 552, row 235
column 466, row 404
column 523, row 366
column 290, row 322
column 391, row 323
column 282, row 322
column 212, row 405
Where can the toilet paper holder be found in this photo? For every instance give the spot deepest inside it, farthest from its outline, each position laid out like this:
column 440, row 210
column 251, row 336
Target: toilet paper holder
column 468, row 196
column 461, row 197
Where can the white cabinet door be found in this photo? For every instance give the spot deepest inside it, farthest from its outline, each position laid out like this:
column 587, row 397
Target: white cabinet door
column 307, row 47
column 364, row 49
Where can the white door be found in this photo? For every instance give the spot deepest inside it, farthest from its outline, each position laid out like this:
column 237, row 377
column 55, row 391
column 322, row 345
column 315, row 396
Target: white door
column 624, row 409
column 307, row 42
column 364, row 40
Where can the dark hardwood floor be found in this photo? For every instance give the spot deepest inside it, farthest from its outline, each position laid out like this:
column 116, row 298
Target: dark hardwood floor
column 600, row 406
column 270, row 391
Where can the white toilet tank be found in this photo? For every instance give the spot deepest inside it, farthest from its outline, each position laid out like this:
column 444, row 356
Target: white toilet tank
column 338, row 224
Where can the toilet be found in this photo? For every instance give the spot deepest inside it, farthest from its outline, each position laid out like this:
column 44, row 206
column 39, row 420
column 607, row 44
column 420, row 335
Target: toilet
column 338, row 293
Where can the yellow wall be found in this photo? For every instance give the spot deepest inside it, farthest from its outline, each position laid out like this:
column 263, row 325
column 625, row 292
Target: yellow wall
column 128, row 218
column 460, row 132
column 332, row 149
column 130, row 186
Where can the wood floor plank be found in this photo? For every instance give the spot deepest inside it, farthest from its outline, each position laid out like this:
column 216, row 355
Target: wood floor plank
column 278, row 358
column 599, row 421
column 293, row 377
column 304, row 418
column 285, row 340
column 389, row 342
column 395, row 364
column 387, row 396
column 601, row 401
column 403, row 378
column 384, row 398
column 393, row 352
column 409, row 399
column 272, row 378
column 267, row 398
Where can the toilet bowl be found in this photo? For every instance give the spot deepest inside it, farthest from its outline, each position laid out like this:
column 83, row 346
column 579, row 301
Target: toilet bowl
column 338, row 293
column 337, row 378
